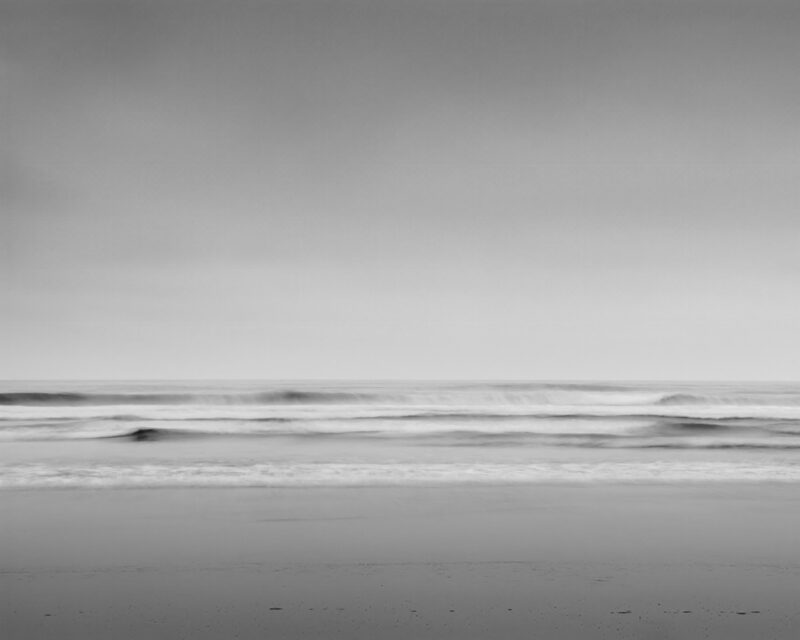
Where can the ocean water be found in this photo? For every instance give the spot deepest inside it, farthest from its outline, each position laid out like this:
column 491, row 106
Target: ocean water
column 290, row 434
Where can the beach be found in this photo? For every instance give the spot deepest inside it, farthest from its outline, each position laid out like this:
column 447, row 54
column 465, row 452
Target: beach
column 650, row 560
column 399, row 320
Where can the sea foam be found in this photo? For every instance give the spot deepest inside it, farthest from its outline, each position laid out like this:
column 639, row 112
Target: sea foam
column 31, row 476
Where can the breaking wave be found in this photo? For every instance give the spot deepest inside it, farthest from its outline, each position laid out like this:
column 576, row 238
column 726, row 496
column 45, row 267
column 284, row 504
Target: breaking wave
column 482, row 401
column 291, row 396
column 258, row 434
column 611, row 433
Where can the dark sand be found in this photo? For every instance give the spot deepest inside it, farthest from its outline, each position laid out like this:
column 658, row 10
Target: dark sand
column 487, row 562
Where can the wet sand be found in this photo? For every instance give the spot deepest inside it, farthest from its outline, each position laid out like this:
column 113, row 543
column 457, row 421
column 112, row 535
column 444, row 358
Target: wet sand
column 645, row 561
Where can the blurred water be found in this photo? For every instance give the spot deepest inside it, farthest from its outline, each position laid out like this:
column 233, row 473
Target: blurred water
column 118, row 434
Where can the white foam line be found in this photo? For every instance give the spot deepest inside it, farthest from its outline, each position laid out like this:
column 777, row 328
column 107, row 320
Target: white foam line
column 341, row 474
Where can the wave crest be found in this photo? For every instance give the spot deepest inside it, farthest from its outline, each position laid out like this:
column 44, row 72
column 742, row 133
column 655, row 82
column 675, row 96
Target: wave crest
column 290, row 396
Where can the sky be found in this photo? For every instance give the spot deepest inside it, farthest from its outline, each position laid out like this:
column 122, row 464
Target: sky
column 412, row 189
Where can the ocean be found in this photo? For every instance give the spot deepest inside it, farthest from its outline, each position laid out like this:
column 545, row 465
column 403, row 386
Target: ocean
column 302, row 434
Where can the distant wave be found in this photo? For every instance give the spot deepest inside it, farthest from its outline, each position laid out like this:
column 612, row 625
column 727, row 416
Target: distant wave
column 487, row 399
column 548, row 395
column 738, row 399
column 399, row 413
column 38, row 399
column 557, row 414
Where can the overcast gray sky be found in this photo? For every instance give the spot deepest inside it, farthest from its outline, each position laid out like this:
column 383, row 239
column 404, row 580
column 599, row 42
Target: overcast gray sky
column 551, row 189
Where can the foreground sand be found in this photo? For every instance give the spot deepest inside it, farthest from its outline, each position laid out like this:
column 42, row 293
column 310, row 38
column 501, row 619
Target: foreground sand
column 490, row 562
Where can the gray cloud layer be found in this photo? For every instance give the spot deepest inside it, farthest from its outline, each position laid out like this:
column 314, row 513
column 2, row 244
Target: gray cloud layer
column 399, row 189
